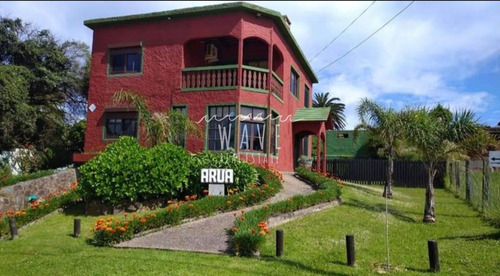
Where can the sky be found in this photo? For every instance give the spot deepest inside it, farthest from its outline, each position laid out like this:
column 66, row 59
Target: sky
column 433, row 52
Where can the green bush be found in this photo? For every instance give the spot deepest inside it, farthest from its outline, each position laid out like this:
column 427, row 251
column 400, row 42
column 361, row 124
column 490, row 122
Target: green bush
column 127, row 171
column 111, row 230
column 244, row 173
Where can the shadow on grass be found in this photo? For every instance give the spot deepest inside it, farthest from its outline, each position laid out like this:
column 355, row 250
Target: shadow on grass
column 493, row 236
column 419, row 270
column 380, row 208
column 364, row 189
column 299, row 265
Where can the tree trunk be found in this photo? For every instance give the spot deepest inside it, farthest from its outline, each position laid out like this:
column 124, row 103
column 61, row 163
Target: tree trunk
column 429, row 215
column 388, row 183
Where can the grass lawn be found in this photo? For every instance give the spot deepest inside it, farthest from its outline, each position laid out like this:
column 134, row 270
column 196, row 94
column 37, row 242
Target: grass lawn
column 314, row 244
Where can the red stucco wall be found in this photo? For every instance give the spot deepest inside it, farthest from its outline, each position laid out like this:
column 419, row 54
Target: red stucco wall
column 164, row 57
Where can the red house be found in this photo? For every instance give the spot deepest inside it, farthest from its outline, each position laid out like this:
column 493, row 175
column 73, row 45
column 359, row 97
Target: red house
column 236, row 68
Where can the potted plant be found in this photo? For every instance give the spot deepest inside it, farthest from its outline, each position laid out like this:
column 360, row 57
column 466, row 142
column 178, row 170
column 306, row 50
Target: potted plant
column 305, row 161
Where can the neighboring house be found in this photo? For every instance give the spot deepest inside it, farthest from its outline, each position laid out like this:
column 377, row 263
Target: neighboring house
column 215, row 61
column 341, row 144
column 494, row 131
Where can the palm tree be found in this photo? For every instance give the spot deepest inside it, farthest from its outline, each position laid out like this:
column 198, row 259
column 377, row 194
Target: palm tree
column 160, row 126
column 385, row 126
column 336, row 109
column 439, row 136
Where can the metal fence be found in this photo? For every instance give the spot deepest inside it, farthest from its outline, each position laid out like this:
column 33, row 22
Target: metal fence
column 373, row 171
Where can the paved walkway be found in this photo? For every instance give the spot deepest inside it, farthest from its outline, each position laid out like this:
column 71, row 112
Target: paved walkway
column 209, row 234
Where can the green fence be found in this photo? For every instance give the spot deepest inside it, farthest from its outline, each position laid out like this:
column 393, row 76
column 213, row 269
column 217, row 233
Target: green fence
column 476, row 183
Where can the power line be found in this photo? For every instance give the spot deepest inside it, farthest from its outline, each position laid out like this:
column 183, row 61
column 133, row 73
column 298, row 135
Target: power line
column 354, row 48
column 342, row 32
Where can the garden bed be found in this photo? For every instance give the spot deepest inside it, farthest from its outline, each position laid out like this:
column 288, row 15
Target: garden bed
column 250, row 229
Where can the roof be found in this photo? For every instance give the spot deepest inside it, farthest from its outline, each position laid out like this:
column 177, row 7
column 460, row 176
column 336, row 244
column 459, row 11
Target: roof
column 279, row 20
column 311, row 114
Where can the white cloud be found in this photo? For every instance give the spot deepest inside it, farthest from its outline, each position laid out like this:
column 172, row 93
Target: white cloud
column 426, row 55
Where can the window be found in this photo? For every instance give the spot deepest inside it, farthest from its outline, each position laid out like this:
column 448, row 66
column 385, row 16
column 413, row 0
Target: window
column 120, row 124
column 307, row 101
column 275, row 124
column 179, row 137
column 125, row 60
column 253, row 129
column 294, row 83
column 342, row 135
column 221, row 127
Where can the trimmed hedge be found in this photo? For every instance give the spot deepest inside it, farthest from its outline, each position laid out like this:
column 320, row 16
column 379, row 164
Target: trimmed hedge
column 111, row 230
column 39, row 209
column 250, row 229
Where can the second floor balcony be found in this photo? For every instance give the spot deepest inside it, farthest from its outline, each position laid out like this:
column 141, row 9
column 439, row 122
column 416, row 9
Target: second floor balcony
column 220, row 69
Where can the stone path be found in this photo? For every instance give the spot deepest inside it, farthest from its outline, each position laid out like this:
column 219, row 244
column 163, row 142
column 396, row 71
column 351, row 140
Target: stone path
column 209, row 234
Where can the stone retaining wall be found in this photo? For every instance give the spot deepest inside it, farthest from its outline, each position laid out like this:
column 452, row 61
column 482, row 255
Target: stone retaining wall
column 15, row 197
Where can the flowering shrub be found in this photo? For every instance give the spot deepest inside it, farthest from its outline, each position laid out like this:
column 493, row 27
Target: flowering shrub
column 248, row 234
column 39, row 208
column 107, row 231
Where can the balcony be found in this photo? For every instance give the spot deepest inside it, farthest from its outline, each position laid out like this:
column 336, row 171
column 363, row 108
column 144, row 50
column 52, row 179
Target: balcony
column 225, row 77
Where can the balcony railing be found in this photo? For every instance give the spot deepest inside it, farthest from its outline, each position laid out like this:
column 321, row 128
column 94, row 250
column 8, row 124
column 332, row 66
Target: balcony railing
column 277, row 86
column 255, row 78
column 210, row 78
column 225, row 77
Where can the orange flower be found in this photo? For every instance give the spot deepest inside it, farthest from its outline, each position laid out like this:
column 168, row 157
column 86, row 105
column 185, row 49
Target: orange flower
column 253, row 231
column 1, row 215
column 205, row 192
column 125, row 223
column 153, row 215
column 170, row 202
column 134, row 215
column 242, row 211
column 142, row 220
column 252, row 195
column 235, row 214
column 266, row 207
column 290, row 200
column 262, row 232
column 209, row 196
column 234, row 229
column 242, row 218
column 193, row 197
column 125, row 214
column 187, row 198
column 190, row 205
column 117, row 222
column 242, row 198
column 228, row 202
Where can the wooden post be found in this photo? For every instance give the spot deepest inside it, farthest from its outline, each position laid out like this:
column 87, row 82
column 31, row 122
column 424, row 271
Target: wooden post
column 13, row 228
column 279, row 243
column 351, row 254
column 468, row 181
column 433, row 255
column 457, row 174
column 76, row 228
column 486, row 183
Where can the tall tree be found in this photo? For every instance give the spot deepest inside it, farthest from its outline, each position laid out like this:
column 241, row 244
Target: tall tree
column 336, row 108
column 160, row 126
column 59, row 71
column 385, row 126
column 439, row 136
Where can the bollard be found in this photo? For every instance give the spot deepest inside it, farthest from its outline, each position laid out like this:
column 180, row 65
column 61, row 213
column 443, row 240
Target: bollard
column 13, row 228
column 433, row 255
column 351, row 254
column 76, row 228
column 279, row 243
